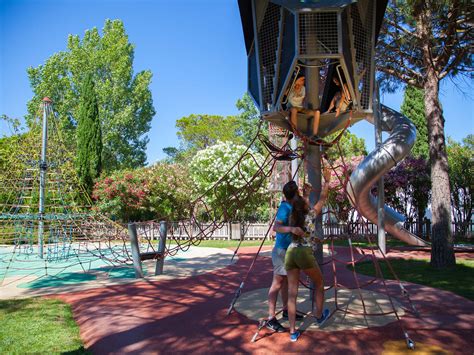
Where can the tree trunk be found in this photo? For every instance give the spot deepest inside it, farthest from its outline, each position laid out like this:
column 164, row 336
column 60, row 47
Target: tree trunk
column 442, row 252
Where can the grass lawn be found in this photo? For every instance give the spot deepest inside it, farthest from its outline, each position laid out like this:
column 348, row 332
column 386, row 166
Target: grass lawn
column 38, row 325
column 365, row 243
column 459, row 280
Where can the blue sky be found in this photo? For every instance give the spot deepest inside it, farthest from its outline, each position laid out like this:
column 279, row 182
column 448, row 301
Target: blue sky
column 194, row 48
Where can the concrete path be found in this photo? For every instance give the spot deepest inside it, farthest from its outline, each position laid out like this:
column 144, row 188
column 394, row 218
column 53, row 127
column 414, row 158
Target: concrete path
column 33, row 282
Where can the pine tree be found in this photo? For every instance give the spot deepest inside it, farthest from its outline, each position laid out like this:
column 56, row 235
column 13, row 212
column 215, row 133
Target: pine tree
column 420, row 44
column 413, row 107
column 89, row 136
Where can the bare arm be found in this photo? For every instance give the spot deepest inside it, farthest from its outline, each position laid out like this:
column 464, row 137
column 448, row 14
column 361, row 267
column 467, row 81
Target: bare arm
column 278, row 227
column 318, row 207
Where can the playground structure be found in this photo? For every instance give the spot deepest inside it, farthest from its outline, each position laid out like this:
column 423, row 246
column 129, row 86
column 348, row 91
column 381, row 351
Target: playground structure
column 48, row 228
column 327, row 40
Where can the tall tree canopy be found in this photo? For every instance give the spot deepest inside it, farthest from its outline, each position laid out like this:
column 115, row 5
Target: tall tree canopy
column 202, row 131
column 124, row 99
column 89, row 136
column 413, row 107
column 421, row 43
column 250, row 121
column 349, row 146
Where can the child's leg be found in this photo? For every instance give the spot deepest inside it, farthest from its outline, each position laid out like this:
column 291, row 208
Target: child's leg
column 293, row 117
column 317, row 278
column 317, row 115
column 293, row 277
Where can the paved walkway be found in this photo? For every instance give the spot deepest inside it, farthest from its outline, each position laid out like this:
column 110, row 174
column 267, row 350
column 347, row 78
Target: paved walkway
column 31, row 279
column 189, row 315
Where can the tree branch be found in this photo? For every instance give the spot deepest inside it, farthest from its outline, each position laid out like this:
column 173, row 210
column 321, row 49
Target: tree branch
column 414, row 81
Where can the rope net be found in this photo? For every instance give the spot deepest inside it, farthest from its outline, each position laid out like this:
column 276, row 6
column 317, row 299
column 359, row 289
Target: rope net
column 341, row 171
column 68, row 235
column 75, row 237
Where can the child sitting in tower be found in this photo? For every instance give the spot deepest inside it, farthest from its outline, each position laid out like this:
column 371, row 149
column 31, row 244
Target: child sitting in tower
column 341, row 100
column 295, row 103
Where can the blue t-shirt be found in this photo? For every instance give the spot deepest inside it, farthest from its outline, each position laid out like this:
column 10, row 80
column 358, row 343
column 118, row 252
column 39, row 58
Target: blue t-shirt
column 283, row 240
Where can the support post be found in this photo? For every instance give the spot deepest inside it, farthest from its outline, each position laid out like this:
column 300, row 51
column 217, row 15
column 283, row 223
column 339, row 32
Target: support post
column 294, row 162
column 313, row 163
column 314, row 178
column 236, row 231
column 137, row 263
column 160, row 262
column 381, row 238
column 43, row 166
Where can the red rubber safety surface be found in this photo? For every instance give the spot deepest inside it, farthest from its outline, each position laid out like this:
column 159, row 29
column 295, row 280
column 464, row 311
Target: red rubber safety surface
column 189, row 315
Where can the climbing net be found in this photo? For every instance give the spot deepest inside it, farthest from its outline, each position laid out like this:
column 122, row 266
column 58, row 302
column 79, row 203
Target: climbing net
column 69, row 235
column 50, row 230
column 75, row 236
column 351, row 257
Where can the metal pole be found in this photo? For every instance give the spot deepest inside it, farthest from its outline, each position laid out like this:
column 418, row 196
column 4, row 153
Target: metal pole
column 294, row 162
column 137, row 263
column 380, row 187
column 160, row 262
column 43, row 166
column 313, row 158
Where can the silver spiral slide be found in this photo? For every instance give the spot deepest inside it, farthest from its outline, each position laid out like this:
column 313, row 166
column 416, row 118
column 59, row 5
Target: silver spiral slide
column 402, row 135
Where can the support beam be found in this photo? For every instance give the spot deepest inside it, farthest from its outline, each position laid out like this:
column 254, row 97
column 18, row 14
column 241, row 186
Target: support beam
column 43, row 166
column 137, row 263
column 381, row 238
column 160, row 262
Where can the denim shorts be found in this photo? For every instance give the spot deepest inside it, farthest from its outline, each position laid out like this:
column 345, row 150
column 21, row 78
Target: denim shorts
column 278, row 261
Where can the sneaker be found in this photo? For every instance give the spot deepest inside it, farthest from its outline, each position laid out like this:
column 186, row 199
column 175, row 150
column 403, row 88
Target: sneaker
column 324, row 317
column 294, row 336
column 274, row 324
column 298, row 316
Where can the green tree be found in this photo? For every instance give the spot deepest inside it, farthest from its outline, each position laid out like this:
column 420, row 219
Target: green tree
column 89, row 136
column 198, row 132
column 124, row 99
column 350, row 146
column 413, row 107
column 249, row 123
column 421, row 43
column 461, row 176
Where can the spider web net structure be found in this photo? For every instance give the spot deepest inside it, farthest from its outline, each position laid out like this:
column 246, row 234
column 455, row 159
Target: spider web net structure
column 63, row 235
column 69, row 235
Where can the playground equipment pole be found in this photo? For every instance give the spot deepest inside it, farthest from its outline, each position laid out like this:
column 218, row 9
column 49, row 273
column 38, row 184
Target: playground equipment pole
column 314, row 160
column 137, row 263
column 160, row 262
column 294, row 162
column 380, row 187
column 43, row 168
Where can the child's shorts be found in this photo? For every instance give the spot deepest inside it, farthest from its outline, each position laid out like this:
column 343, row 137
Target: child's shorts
column 299, row 258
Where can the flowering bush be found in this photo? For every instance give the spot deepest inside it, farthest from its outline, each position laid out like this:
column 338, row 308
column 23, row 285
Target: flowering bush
column 408, row 187
column 122, row 195
column 162, row 191
column 338, row 201
column 231, row 191
column 171, row 191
